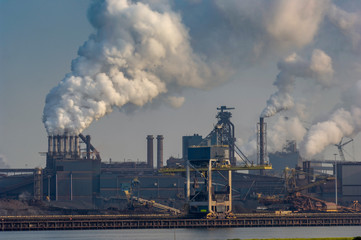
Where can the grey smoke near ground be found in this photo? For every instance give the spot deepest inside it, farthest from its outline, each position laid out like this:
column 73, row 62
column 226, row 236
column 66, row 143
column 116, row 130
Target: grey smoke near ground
column 343, row 122
column 3, row 162
column 319, row 67
column 143, row 51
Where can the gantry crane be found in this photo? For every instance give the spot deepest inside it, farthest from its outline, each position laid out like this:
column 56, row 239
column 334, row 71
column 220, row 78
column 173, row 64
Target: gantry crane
column 213, row 157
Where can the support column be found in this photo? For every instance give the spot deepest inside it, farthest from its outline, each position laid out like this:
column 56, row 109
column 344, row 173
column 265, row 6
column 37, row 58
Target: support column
column 230, row 190
column 71, row 186
column 209, row 186
column 188, row 182
column 56, row 187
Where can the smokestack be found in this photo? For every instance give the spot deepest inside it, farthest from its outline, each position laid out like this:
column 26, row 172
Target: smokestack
column 262, row 143
column 50, row 145
column 87, row 146
column 160, row 151
column 65, row 138
column 71, row 145
column 55, row 144
column 60, row 149
column 76, row 146
column 150, row 151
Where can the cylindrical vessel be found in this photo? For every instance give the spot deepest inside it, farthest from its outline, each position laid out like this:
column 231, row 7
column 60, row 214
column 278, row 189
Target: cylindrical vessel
column 65, row 140
column 87, row 146
column 160, row 151
column 76, row 146
column 150, row 151
column 60, row 144
column 50, row 145
column 71, row 145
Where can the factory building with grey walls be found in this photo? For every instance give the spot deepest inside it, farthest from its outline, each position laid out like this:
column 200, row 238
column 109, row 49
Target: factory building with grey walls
column 76, row 176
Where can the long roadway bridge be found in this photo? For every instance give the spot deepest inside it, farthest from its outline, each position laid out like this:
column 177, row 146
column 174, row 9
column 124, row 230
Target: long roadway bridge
column 82, row 222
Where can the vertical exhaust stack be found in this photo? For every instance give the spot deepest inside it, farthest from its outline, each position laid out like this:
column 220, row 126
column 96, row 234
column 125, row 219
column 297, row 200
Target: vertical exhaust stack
column 160, row 151
column 50, row 145
column 66, row 143
column 262, row 143
column 59, row 141
column 55, row 144
column 76, row 146
column 71, row 145
column 150, row 151
column 61, row 144
column 87, row 146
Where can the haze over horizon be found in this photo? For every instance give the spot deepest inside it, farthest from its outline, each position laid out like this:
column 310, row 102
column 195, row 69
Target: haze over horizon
column 121, row 70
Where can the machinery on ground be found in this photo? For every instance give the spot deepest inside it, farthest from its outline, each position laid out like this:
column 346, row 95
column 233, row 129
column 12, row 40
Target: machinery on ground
column 296, row 201
column 134, row 201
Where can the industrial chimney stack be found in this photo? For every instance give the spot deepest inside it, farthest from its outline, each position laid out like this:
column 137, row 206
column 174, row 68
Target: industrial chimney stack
column 150, row 151
column 262, row 143
column 160, row 151
column 63, row 145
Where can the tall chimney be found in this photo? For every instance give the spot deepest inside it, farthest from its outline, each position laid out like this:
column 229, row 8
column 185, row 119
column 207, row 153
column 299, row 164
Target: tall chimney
column 76, row 146
column 87, row 146
column 71, row 145
column 160, row 151
column 262, row 143
column 150, row 151
column 55, row 144
column 65, row 138
column 60, row 143
column 50, row 145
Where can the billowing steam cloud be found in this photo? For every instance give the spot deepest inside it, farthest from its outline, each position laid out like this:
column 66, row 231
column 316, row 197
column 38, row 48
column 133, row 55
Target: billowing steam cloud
column 348, row 23
column 319, row 68
column 147, row 50
column 344, row 122
column 295, row 23
column 134, row 56
column 277, row 135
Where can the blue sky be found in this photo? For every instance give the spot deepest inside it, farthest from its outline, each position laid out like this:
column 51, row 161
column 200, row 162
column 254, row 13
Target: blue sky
column 39, row 39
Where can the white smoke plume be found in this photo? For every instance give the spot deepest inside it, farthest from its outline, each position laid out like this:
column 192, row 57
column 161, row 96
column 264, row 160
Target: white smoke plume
column 319, row 67
column 344, row 122
column 175, row 102
column 295, row 23
column 282, row 130
column 147, row 50
column 135, row 54
column 348, row 23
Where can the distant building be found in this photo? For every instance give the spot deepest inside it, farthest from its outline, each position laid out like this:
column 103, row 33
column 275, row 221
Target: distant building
column 173, row 162
column 188, row 141
column 289, row 157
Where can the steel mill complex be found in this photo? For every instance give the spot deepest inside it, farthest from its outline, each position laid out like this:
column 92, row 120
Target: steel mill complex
column 213, row 179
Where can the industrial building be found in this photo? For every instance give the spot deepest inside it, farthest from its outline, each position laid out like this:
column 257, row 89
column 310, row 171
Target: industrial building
column 76, row 177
